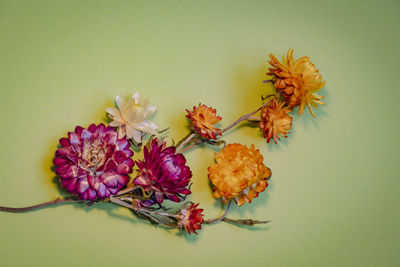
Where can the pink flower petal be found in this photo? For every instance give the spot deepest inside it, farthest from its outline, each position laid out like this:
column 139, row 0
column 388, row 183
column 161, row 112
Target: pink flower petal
column 86, row 135
column 102, row 191
column 87, row 163
column 64, row 142
column 91, row 194
column 123, row 168
column 122, row 144
column 159, row 196
column 83, row 186
column 60, row 161
column 92, row 128
column 73, row 138
column 110, row 180
column 78, row 130
column 100, row 128
column 70, row 171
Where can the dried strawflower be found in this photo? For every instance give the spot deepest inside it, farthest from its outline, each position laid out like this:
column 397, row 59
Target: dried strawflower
column 275, row 120
column 163, row 173
column 190, row 218
column 93, row 163
column 203, row 119
column 239, row 174
column 131, row 118
column 297, row 81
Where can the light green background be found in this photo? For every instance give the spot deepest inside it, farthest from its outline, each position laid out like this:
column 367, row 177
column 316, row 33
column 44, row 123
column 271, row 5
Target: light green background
column 333, row 198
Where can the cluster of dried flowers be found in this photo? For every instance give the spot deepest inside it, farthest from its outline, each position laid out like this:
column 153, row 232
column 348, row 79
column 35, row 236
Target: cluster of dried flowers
column 95, row 164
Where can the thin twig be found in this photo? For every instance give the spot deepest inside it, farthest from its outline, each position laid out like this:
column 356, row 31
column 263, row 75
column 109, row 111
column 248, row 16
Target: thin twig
column 185, row 141
column 254, row 118
column 189, row 147
column 246, row 117
column 243, row 118
column 120, row 202
column 221, row 217
column 41, row 205
column 248, row 222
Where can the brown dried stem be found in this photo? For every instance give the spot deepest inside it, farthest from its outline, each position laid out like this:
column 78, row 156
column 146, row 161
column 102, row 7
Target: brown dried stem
column 248, row 222
column 57, row 201
column 219, row 218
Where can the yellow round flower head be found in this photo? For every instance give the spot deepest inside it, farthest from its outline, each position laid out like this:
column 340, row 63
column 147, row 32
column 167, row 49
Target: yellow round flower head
column 238, row 174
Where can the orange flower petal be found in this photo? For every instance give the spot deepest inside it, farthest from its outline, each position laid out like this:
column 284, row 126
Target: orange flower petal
column 203, row 119
column 297, row 81
column 275, row 120
column 238, row 174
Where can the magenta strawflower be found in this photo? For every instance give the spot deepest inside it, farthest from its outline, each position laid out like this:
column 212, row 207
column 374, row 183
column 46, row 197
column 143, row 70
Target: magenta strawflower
column 163, row 173
column 93, row 163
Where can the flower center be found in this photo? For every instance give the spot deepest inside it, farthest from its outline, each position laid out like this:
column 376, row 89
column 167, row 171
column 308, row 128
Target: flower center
column 92, row 158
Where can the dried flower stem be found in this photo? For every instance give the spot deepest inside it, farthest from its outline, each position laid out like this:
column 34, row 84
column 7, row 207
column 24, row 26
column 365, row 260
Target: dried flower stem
column 254, row 118
column 121, row 203
column 185, row 141
column 155, row 218
column 189, row 147
column 42, row 205
column 219, row 218
column 243, row 118
column 163, row 218
column 247, row 116
column 248, row 222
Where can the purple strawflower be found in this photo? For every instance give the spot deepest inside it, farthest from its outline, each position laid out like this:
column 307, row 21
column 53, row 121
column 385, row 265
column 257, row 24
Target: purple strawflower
column 93, row 163
column 163, row 173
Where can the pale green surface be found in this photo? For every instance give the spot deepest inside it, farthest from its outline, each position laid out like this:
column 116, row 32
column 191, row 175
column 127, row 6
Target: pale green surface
column 333, row 198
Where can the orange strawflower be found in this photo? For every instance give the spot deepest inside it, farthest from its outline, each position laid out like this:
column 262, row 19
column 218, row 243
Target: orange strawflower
column 203, row 119
column 239, row 174
column 275, row 120
column 297, row 80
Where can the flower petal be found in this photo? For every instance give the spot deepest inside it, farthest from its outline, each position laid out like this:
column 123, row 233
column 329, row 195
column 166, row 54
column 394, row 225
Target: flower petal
column 136, row 97
column 120, row 103
column 114, row 114
column 116, row 123
column 130, row 131
column 137, row 136
column 148, row 127
column 88, row 159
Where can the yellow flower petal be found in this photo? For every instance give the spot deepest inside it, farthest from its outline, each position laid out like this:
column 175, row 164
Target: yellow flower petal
column 297, row 81
column 239, row 174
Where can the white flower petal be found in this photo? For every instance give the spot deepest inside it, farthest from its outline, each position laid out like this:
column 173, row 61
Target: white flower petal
column 116, row 123
column 130, row 130
column 148, row 111
column 114, row 114
column 121, row 131
column 148, row 127
column 129, row 107
column 145, row 102
column 137, row 136
column 133, row 116
column 120, row 103
column 136, row 97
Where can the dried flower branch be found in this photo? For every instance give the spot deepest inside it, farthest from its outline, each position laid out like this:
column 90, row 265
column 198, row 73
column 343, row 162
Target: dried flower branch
column 94, row 164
